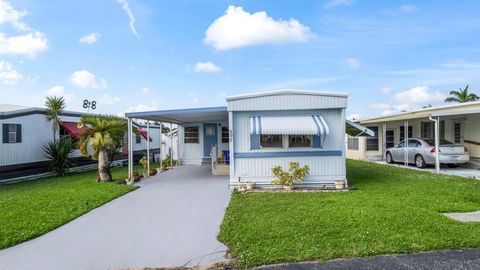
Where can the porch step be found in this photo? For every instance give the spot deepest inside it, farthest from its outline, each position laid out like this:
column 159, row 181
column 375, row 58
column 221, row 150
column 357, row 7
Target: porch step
column 206, row 160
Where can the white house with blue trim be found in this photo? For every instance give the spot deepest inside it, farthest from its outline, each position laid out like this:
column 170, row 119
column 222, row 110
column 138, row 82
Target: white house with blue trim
column 258, row 131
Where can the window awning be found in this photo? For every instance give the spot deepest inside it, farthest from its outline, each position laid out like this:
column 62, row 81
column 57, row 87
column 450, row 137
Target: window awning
column 289, row 125
column 354, row 129
column 72, row 129
column 144, row 134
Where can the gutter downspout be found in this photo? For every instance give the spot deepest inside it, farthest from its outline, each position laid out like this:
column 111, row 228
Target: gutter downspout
column 437, row 143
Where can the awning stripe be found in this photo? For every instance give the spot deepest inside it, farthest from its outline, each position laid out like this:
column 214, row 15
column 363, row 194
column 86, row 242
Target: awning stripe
column 327, row 129
column 289, row 125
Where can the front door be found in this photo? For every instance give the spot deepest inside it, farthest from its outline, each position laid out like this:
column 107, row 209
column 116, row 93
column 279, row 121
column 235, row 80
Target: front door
column 209, row 138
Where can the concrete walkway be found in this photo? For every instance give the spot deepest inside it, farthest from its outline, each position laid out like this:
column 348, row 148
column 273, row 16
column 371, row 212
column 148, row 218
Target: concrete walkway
column 172, row 219
column 466, row 170
column 439, row 260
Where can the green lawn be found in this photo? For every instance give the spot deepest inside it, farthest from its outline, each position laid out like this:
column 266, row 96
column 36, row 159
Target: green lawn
column 30, row 209
column 393, row 210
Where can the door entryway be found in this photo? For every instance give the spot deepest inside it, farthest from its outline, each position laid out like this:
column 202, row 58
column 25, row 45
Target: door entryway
column 209, row 138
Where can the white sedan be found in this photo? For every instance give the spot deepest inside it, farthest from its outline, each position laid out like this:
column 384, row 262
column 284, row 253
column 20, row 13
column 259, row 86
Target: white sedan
column 421, row 152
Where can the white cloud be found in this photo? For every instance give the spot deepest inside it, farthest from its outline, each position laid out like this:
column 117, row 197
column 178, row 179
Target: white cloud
column 10, row 15
column 385, row 90
column 56, row 91
column 28, row 44
column 207, row 67
column 352, row 62
column 90, row 38
column 86, row 79
column 238, row 28
column 407, row 8
column 418, row 95
column 143, row 107
column 130, row 15
column 109, row 100
column 8, row 75
column 353, row 116
column 145, row 90
column 335, row 3
column 222, row 94
column 59, row 91
column 411, row 99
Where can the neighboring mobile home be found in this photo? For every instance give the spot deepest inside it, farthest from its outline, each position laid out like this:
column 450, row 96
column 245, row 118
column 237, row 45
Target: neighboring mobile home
column 258, row 131
column 458, row 123
column 24, row 131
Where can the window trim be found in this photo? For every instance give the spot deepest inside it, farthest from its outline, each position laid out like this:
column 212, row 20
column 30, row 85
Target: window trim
column 17, row 134
column 225, row 131
column 196, row 139
column 374, row 138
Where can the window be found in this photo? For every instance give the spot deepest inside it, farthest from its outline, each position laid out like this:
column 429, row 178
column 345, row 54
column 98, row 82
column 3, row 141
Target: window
column 401, row 144
column 225, row 135
column 372, row 142
column 138, row 138
column 352, row 143
column 12, row 133
column 457, row 132
column 390, row 138
column 402, row 132
column 428, row 130
column 299, row 141
column 414, row 143
column 271, row 140
column 191, row 135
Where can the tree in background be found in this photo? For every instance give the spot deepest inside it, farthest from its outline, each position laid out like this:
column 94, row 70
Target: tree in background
column 105, row 134
column 461, row 96
column 55, row 107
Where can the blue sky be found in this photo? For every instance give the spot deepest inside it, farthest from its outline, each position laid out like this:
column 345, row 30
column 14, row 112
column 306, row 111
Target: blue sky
column 141, row 55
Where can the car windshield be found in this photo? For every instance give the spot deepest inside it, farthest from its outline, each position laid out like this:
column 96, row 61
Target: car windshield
column 442, row 142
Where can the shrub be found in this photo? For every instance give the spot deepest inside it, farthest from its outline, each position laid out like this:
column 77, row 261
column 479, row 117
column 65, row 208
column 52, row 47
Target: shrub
column 295, row 174
column 144, row 163
column 59, row 153
column 166, row 162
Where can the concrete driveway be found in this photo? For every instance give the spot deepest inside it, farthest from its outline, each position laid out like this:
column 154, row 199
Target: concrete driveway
column 172, row 220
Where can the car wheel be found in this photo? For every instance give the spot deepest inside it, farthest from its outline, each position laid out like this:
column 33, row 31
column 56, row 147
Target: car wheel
column 419, row 161
column 452, row 165
column 389, row 158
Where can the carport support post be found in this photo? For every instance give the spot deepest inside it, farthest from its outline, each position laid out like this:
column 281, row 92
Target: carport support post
column 130, row 150
column 161, row 158
column 148, row 148
column 171, row 146
column 405, row 135
column 437, row 144
column 178, row 146
column 384, row 140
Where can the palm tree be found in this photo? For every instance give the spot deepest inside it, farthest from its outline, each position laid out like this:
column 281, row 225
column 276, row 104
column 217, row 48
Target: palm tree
column 461, row 96
column 105, row 135
column 55, row 107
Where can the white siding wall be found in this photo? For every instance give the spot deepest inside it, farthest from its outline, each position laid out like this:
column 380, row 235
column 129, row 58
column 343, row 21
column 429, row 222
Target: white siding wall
column 322, row 169
column 287, row 102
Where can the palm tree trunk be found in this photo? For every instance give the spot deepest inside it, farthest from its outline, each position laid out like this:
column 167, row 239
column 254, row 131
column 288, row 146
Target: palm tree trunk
column 104, row 166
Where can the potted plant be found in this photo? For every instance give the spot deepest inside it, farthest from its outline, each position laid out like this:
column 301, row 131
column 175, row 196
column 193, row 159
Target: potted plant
column 250, row 185
column 339, row 184
column 144, row 163
column 153, row 172
column 295, row 174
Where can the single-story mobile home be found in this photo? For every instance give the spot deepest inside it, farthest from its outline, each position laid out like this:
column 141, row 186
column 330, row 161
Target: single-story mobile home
column 258, row 131
column 24, row 131
column 457, row 123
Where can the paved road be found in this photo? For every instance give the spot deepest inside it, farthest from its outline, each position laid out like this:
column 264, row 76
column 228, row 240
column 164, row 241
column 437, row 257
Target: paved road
column 439, row 260
column 171, row 219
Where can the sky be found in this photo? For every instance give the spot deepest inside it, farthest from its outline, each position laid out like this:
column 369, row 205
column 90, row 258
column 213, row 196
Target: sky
column 138, row 55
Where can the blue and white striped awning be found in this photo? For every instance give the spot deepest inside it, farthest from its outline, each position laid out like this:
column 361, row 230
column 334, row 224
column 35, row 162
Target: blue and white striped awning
column 289, row 125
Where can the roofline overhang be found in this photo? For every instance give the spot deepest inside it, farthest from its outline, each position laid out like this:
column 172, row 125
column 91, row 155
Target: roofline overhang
column 286, row 92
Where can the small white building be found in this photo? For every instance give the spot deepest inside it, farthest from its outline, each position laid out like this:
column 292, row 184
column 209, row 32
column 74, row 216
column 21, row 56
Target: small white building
column 258, row 131
column 24, row 130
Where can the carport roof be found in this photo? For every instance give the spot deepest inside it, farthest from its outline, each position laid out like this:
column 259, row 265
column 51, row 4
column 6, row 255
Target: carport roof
column 182, row 116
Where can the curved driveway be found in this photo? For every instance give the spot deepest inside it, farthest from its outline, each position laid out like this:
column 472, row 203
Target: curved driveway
column 172, row 220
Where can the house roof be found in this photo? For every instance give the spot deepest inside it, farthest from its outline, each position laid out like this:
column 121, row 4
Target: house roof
column 182, row 116
column 11, row 111
column 450, row 109
column 286, row 92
